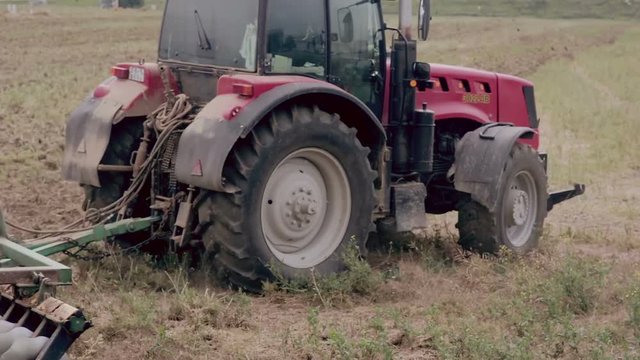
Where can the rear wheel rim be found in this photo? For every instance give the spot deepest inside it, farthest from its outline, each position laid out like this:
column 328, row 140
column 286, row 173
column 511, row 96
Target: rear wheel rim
column 306, row 208
column 520, row 209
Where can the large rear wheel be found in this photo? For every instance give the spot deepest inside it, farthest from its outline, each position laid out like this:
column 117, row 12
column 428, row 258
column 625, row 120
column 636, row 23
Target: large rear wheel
column 125, row 139
column 304, row 189
column 518, row 219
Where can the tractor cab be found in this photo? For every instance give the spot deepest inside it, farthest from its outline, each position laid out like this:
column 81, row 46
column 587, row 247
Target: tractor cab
column 338, row 41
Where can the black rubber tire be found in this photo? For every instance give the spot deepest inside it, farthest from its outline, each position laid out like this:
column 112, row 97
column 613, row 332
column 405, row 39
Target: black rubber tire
column 230, row 222
column 125, row 139
column 483, row 231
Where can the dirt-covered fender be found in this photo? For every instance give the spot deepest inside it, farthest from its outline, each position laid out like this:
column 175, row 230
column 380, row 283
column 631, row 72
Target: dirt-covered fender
column 481, row 156
column 88, row 129
column 207, row 142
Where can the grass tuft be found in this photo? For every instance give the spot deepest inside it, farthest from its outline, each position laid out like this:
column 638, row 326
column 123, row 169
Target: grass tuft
column 358, row 280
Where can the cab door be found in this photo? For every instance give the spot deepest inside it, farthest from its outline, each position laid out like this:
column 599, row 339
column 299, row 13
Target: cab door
column 356, row 42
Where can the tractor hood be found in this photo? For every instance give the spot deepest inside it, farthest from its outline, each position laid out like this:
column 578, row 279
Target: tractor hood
column 460, row 71
column 481, row 96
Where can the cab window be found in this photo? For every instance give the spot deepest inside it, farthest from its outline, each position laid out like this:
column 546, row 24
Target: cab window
column 296, row 37
column 355, row 53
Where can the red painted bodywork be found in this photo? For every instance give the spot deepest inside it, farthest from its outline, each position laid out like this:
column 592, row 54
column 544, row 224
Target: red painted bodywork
column 485, row 97
column 451, row 104
column 235, row 102
column 477, row 95
column 470, row 94
column 136, row 98
column 261, row 84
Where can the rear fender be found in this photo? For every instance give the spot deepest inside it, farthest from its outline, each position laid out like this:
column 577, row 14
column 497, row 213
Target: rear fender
column 88, row 129
column 207, row 142
column 481, row 156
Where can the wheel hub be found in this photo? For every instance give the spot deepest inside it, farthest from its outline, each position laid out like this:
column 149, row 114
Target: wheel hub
column 306, row 206
column 520, row 207
column 301, row 208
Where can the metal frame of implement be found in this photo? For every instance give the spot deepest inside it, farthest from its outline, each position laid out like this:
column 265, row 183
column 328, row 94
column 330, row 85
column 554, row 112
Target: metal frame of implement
column 22, row 265
column 26, row 269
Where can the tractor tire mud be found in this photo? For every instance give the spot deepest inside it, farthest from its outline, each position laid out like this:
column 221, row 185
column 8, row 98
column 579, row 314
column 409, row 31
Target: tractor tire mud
column 125, row 139
column 292, row 150
column 518, row 220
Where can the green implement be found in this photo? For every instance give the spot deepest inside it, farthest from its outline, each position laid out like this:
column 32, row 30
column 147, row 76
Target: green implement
column 43, row 327
column 21, row 262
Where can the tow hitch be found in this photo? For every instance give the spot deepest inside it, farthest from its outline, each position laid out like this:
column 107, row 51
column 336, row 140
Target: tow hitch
column 560, row 196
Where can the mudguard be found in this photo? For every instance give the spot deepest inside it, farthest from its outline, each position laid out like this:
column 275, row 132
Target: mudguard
column 207, row 142
column 481, row 156
column 87, row 136
column 88, row 129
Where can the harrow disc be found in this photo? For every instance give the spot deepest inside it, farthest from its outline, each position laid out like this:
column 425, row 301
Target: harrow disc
column 44, row 332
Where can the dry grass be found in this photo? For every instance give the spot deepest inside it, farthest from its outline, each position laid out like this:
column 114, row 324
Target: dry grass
column 578, row 297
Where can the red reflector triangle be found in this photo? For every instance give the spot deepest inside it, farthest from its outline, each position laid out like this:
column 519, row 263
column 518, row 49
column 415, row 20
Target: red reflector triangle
column 197, row 169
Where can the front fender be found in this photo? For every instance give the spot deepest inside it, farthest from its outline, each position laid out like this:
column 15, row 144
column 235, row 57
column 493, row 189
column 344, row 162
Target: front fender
column 480, row 159
column 205, row 145
column 88, row 129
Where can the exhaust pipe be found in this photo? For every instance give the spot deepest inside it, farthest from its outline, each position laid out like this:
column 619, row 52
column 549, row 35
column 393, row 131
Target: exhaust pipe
column 406, row 17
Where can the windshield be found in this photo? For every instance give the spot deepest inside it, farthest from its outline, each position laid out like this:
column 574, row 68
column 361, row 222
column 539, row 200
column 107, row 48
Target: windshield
column 211, row 32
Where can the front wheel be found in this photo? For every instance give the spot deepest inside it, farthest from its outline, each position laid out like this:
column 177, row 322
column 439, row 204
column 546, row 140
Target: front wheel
column 518, row 219
column 304, row 189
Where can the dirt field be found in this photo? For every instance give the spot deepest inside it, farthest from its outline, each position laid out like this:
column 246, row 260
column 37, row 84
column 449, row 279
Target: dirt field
column 577, row 297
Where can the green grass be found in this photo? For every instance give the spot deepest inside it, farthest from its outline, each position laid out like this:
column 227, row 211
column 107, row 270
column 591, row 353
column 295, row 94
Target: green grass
column 591, row 100
column 357, row 282
column 160, row 311
column 535, row 310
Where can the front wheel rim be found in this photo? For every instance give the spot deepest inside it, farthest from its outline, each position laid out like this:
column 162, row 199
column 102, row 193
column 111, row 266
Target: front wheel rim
column 520, row 209
column 306, row 208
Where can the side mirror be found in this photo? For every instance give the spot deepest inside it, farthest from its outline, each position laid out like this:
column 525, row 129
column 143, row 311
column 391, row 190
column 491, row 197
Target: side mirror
column 345, row 25
column 421, row 71
column 424, row 19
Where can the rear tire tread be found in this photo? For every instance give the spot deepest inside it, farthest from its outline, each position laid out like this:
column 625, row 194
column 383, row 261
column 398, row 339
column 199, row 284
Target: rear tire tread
column 222, row 233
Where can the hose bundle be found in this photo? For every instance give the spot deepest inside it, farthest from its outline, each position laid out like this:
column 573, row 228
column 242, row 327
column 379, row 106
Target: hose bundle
column 167, row 118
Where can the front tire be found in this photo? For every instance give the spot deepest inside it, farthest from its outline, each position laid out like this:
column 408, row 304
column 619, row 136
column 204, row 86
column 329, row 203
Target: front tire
column 518, row 220
column 304, row 189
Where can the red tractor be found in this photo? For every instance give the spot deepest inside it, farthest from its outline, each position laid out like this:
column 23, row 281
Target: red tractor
column 272, row 133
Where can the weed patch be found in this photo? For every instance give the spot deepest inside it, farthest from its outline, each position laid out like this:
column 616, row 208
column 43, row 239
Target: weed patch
column 358, row 280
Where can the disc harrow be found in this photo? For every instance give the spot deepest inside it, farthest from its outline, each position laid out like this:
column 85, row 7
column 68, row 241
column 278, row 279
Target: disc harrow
column 34, row 325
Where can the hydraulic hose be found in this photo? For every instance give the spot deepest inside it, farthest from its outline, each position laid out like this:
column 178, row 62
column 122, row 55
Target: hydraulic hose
column 164, row 120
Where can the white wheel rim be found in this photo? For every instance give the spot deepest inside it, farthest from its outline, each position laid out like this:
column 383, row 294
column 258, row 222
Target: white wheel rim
column 306, row 208
column 520, row 209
